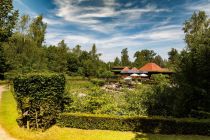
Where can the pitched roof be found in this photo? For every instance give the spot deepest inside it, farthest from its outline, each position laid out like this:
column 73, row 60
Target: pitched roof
column 151, row 67
column 126, row 69
column 134, row 69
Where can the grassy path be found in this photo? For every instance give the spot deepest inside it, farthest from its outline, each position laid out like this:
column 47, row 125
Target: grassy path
column 3, row 134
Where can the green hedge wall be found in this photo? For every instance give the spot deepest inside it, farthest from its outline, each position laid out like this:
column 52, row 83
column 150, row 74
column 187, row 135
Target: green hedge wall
column 137, row 124
column 39, row 99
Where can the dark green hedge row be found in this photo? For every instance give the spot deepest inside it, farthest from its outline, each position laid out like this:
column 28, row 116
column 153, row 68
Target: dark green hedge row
column 39, row 98
column 137, row 124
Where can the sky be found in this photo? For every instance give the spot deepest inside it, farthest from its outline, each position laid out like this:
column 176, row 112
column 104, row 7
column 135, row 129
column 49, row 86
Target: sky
column 115, row 24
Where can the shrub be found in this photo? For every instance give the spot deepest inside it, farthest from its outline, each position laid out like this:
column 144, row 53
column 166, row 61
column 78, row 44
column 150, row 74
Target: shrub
column 98, row 82
column 137, row 124
column 40, row 97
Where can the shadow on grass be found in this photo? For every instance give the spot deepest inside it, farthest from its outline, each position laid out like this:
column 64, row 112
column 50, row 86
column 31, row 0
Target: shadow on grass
column 140, row 136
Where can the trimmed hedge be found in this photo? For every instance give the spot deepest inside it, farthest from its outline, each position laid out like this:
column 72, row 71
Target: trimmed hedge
column 138, row 124
column 39, row 99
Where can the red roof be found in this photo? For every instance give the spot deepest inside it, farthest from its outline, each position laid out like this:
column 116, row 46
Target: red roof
column 126, row 69
column 134, row 69
column 151, row 67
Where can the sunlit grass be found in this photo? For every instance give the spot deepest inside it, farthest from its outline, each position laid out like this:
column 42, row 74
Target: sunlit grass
column 8, row 115
column 79, row 86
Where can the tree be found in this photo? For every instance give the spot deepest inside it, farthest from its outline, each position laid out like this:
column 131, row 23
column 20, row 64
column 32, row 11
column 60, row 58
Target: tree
column 173, row 57
column 58, row 57
column 21, row 51
column 37, row 30
column 77, row 50
column 144, row 56
column 125, row 58
column 8, row 18
column 158, row 60
column 117, row 62
column 72, row 63
column 94, row 54
column 193, row 72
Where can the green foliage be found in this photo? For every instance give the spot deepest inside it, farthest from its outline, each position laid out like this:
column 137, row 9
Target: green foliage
column 125, row 57
column 37, row 30
column 98, row 82
column 117, row 62
column 8, row 18
column 160, row 100
column 173, row 57
column 105, row 74
column 21, row 51
column 159, row 61
column 23, row 55
column 95, row 101
column 57, row 57
column 144, row 56
column 138, row 124
column 192, row 73
column 40, row 97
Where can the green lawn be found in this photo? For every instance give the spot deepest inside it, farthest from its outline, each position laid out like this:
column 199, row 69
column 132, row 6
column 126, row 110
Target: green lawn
column 8, row 114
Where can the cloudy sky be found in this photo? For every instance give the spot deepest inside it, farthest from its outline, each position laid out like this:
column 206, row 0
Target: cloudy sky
column 115, row 24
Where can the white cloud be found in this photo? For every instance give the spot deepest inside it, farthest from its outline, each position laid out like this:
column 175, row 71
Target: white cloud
column 88, row 17
column 112, row 46
column 51, row 21
column 200, row 6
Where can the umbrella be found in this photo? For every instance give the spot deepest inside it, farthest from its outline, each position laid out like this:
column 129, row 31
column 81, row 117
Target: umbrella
column 128, row 78
column 134, row 75
column 143, row 75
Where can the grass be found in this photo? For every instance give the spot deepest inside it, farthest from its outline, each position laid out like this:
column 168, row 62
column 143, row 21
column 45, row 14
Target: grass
column 8, row 115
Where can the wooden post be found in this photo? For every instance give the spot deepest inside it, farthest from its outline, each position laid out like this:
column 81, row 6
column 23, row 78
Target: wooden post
column 28, row 124
column 37, row 125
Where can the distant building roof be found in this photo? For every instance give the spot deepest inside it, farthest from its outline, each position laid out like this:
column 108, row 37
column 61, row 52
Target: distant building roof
column 151, row 67
column 134, row 69
column 125, row 69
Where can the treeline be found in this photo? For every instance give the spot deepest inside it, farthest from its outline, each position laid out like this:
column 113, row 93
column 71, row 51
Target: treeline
column 140, row 58
column 23, row 50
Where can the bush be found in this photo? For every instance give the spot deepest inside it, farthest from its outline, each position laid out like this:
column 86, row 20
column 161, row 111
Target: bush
column 98, row 82
column 40, row 97
column 137, row 124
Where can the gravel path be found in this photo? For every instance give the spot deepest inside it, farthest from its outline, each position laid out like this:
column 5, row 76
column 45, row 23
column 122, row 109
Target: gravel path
column 3, row 134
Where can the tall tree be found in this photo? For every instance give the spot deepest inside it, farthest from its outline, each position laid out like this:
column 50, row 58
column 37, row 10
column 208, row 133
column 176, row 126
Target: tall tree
column 117, row 62
column 193, row 74
column 144, row 56
column 94, row 54
column 159, row 60
column 38, row 30
column 8, row 18
column 173, row 57
column 21, row 51
column 77, row 50
column 125, row 58
column 58, row 57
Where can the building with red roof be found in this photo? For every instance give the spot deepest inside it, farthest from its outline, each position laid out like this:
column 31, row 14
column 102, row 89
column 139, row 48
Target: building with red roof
column 152, row 68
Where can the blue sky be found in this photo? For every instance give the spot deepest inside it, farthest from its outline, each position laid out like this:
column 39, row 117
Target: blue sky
column 115, row 24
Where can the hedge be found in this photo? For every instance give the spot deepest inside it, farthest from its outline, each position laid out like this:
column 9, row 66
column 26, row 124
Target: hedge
column 39, row 99
column 137, row 124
